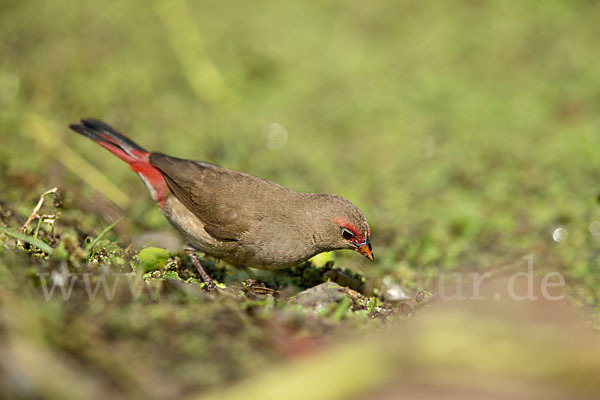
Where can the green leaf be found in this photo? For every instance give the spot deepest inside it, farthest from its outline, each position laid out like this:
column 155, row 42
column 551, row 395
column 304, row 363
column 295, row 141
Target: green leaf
column 29, row 239
column 152, row 258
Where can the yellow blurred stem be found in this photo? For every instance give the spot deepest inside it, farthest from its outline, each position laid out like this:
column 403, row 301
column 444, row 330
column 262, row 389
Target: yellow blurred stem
column 45, row 134
column 188, row 46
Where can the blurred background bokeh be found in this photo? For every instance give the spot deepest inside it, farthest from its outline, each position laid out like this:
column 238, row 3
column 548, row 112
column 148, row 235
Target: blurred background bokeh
column 472, row 125
column 467, row 131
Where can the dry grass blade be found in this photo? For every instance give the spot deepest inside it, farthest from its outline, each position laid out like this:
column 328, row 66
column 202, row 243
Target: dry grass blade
column 41, row 131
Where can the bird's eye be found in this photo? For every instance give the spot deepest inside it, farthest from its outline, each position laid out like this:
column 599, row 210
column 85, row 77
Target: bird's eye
column 347, row 234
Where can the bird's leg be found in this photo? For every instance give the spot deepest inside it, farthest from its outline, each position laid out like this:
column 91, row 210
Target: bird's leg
column 210, row 285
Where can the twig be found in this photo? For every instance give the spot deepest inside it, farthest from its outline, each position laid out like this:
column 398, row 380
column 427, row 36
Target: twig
column 36, row 209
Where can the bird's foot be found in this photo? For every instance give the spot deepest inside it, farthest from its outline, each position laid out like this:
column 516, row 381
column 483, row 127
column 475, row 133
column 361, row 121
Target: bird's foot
column 210, row 285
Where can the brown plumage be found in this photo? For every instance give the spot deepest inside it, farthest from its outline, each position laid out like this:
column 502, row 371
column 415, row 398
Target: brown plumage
column 238, row 217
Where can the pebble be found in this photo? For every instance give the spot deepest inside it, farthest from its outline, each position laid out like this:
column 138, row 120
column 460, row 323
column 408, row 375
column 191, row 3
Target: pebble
column 320, row 295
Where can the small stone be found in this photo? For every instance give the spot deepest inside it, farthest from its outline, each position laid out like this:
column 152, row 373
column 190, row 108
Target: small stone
column 392, row 291
column 320, row 295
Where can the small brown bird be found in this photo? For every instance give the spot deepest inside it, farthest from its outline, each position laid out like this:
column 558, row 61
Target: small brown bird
column 234, row 216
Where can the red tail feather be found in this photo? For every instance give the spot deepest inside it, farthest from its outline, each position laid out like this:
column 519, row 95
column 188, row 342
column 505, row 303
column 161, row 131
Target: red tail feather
column 128, row 151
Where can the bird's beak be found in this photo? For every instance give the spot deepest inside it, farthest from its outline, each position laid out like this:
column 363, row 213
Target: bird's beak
column 365, row 249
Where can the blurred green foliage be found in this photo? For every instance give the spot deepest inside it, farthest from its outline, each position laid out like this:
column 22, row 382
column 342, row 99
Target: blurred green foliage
column 467, row 131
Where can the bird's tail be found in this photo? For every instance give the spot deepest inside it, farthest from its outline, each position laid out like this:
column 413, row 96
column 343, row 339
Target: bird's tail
column 126, row 150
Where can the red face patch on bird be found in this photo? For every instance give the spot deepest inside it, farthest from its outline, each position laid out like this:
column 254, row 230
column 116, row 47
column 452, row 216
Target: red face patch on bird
column 351, row 229
column 360, row 241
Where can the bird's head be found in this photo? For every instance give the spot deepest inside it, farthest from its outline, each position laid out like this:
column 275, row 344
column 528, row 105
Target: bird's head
column 344, row 226
column 356, row 237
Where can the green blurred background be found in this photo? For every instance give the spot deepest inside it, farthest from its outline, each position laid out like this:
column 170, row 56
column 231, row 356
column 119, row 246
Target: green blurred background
column 467, row 131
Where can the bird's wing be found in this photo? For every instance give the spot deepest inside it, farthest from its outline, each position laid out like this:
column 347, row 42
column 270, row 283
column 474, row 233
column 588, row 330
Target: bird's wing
column 221, row 198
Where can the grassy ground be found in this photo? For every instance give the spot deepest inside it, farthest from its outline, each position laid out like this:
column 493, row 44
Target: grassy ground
column 467, row 131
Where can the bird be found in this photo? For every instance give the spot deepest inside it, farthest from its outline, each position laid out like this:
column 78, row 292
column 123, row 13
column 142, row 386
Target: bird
column 234, row 216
